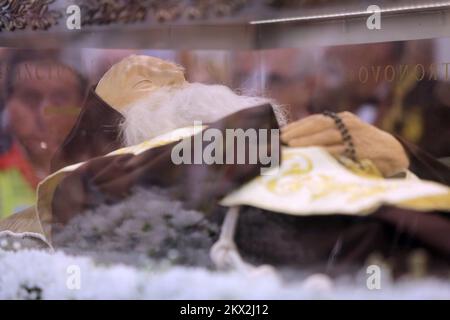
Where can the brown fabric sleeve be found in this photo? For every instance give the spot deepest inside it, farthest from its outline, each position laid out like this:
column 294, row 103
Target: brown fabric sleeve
column 94, row 134
column 431, row 228
column 424, row 165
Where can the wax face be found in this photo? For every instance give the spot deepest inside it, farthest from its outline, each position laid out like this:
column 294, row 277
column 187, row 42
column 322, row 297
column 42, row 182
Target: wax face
column 135, row 77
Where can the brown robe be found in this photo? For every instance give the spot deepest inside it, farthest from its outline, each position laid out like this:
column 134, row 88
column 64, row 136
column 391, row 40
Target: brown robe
column 331, row 244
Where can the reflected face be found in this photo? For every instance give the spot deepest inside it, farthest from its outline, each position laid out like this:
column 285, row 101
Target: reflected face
column 43, row 106
column 286, row 81
column 136, row 77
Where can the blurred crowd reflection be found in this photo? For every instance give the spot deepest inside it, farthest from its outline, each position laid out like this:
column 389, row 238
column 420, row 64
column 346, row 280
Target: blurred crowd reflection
column 402, row 87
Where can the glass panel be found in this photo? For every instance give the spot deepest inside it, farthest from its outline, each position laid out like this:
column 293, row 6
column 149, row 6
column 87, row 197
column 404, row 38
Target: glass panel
column 114, row 150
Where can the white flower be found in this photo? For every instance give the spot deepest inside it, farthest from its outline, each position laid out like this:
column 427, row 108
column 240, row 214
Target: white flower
column 40, row 274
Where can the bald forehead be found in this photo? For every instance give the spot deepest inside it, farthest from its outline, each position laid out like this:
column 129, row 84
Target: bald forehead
column 150, row 63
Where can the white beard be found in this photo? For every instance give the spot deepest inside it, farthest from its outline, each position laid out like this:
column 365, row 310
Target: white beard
column 167, row 109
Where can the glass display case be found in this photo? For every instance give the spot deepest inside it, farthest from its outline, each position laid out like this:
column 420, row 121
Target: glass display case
column 358, row 88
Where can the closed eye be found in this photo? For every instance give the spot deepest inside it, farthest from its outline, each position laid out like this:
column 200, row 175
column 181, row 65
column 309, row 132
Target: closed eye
column 142, row 84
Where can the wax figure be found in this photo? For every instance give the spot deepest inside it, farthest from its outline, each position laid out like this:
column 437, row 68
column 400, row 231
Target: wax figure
column 141, row 98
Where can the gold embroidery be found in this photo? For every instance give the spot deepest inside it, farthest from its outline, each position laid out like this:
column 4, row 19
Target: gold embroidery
column 290, row 179
column 428, row 203
column 311, row 182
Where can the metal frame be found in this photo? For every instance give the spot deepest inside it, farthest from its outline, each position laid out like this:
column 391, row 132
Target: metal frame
column 287, row 29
